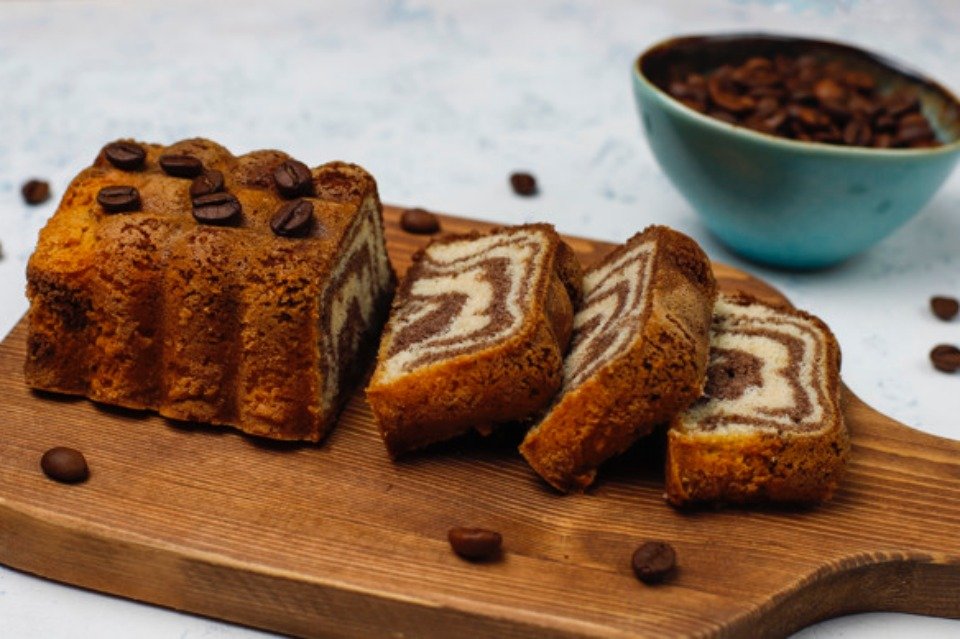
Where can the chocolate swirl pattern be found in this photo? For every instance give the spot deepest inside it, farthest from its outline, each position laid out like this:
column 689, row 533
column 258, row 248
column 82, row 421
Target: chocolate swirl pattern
column 464, row 297
column 614, row 300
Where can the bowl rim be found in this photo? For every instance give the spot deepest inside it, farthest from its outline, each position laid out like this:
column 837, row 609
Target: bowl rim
column 788, row 143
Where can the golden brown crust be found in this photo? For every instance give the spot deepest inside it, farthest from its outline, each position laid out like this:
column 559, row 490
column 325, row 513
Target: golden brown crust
column 763, row 465
column 508, row 381
column 660, row 373
column 151, row 309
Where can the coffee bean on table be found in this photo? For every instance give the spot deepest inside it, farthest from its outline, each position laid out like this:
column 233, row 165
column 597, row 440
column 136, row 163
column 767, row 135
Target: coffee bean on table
column 293, row 179
column 946, row 308
column 119, row 199
column 475, row 544
column 653, row 561
column 294, row 219
column 946, row 358
column 65, row 465
column 35, row 191
column 184, row 166
column 419, row 221
column 218, row 209
column 210, row 181
column 523, row 183
column 127, row 156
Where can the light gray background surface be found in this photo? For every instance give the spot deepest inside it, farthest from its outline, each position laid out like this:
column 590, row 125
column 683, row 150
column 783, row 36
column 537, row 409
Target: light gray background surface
column 440, row 101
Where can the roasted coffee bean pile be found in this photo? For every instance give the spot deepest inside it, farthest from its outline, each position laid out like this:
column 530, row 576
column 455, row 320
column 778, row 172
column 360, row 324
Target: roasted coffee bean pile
column 212, row 204
column 809, row 100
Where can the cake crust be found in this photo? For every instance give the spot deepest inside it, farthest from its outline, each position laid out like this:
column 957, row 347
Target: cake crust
column 732, row 461
column 156, row 308
column 660, row 371
column 508, row 380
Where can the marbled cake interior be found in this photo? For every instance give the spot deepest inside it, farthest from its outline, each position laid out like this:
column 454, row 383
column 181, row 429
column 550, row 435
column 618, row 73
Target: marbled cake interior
column 767, row 370
column 465, row 296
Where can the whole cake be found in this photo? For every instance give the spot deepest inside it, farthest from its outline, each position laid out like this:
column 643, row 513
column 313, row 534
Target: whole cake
column 247, row 291
column 769, row 426
column 639, row 354
column 476, row 335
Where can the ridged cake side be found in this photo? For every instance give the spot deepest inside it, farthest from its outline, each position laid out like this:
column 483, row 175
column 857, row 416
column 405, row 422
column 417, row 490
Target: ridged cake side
column 639, row 354
column 476, row 335
column 216, row 324
column 769, row 425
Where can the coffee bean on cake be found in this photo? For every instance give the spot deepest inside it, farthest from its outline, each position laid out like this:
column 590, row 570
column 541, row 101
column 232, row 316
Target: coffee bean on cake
column 293, row 179
column 419, row 221
column 524, row 183
column 183, row 166
column 210, row 181
column 35, row 191
column 126, row 156
column 119, row 199
column 946, row 308
column 475, row 544
column 293, row 219
column 219, row 209
column 66, row 465
column 653, row 561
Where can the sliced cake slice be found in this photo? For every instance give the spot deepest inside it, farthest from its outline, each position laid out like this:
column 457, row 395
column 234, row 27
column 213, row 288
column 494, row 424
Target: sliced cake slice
column 769, row 425
column 639, row 355
column 476, row 335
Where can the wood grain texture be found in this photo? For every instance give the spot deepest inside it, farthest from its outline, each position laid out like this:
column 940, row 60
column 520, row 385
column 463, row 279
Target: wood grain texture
column 337, row 541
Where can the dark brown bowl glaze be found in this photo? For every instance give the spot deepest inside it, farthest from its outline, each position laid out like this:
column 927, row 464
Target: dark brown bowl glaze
column 703, row 53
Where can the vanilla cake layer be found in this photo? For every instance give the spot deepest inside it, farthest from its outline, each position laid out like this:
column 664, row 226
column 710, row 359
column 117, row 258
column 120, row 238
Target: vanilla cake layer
column 769, row 425
column 224, row 323
column 639, row 354
column 476, row 335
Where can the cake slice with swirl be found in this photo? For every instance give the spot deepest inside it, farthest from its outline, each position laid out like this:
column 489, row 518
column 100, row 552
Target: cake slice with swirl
column 639, row 354
column 476, row 335
column 769, row 426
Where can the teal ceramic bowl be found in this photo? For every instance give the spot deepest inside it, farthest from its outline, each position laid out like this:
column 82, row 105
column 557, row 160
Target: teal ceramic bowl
column 783, row 202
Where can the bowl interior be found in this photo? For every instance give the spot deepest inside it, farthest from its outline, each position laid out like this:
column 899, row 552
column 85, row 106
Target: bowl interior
column 679, row 56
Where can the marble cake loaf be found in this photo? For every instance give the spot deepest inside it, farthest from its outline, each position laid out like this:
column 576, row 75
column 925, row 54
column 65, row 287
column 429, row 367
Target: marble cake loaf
column 769, row 426
column 476, row 335
column 243, row 291
column 639, row 355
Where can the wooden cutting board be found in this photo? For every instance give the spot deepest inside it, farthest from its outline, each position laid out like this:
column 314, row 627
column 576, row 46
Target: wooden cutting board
column 336, row 540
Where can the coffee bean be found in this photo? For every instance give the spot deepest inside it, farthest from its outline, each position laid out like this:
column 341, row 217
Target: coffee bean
column 946, row 358
column 419, row 221
column 184, row 166
column 127, row 156
column 946, row 308
column 210, row 181
column 523, row 183
column 35, row 192
column 293, row 179
column 475, row 544
column 119, row 199
column 218, row 209
column 64, row 465
column 653, row 561
column 294, row 219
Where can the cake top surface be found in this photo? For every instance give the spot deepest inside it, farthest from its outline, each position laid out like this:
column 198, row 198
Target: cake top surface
column 196, row 183
column 465, row 293
column 771, row 368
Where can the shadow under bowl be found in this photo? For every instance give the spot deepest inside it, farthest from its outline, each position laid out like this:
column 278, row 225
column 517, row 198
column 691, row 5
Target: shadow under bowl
column 779, row 201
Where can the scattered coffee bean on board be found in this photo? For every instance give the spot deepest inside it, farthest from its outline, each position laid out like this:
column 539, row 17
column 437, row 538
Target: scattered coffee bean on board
column 653, row 561
column 523, row 183
column 946, row 358
column 946, row 308
column 65, row 465
column 475, row 544
column 419, row 222
column 35, row 191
